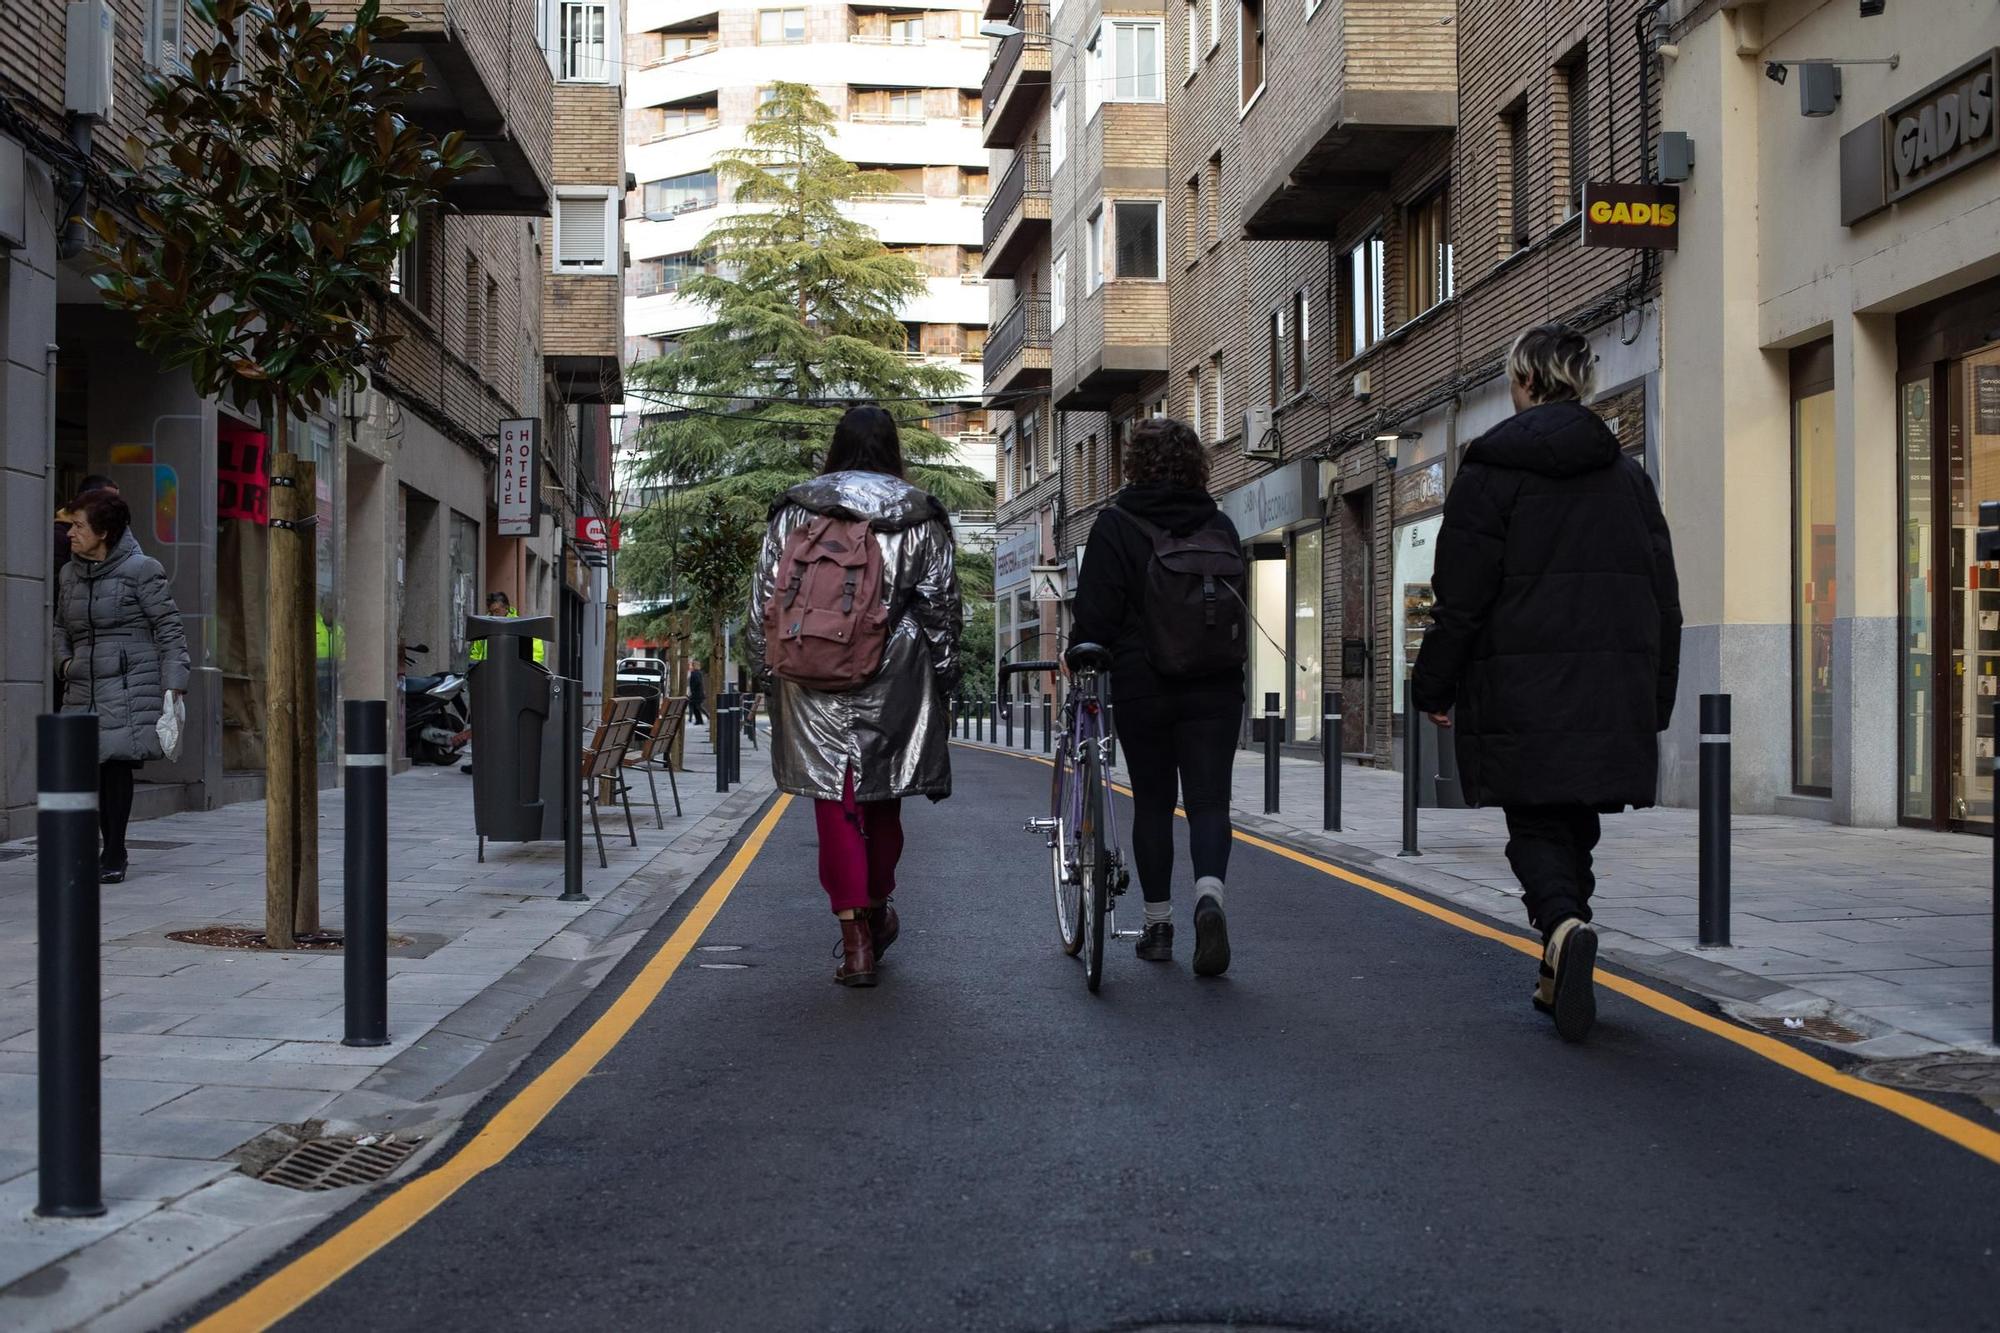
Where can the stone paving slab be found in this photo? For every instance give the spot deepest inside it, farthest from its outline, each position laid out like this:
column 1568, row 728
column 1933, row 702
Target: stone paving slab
column 1889, row 930
column 205, row 1050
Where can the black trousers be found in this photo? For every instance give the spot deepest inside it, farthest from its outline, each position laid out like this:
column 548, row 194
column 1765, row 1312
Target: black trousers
column 1549, row 847
column 696, row 713
column 114, row 806
column 1181, row 744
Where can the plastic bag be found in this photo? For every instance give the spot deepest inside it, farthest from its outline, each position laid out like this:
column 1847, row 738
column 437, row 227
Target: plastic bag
column 173, row 721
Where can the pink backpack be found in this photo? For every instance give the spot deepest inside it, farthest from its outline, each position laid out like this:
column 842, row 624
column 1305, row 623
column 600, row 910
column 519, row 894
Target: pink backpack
column 826, row 625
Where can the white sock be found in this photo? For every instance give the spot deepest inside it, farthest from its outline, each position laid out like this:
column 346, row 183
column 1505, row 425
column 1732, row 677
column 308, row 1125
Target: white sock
column 1158, row 912
column 1208, row 886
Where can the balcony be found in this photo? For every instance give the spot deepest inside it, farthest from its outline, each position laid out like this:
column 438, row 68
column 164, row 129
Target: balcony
column 1017, row 349
column 1313, row 153
column 1018, row 78
column 487, row 77
column 583, row 336
column 1120, row 339
column 1017, row 215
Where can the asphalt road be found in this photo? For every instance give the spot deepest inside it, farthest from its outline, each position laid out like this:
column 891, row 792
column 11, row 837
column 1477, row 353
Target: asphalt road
column 1363, row 1126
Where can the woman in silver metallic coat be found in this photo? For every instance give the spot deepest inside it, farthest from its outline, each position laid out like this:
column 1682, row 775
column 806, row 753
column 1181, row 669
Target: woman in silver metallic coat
column 858, row 752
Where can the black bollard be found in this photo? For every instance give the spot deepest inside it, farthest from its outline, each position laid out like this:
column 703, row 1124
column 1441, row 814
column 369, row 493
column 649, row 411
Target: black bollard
column 66, row 991
column 1272, row 724
column 1048, row 723
column 718, row 739
column 1714, row 906
column 1329, row 758
column 1010, row 721
column 571, row 714
column 979, row 722
column 1413, row 759
column 365, row 886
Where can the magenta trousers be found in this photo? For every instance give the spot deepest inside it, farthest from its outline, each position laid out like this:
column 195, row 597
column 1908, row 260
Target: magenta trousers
column 860, row 843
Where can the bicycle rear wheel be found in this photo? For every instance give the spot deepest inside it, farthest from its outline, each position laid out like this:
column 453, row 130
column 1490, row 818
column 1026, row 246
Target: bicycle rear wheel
column 1096, row 871
column 1064, row 871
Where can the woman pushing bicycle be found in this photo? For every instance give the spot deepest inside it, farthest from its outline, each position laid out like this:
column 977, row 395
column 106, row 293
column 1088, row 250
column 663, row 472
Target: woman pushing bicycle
column 1162, row 587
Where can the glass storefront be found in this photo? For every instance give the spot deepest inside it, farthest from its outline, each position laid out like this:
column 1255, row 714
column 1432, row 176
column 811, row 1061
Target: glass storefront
column 1814, row 520
column 1919, row 667
column 1268, row 668
column 1308, row 635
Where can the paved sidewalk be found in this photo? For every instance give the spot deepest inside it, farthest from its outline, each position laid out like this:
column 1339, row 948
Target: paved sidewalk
column 206, row 1050
column 1886, row 931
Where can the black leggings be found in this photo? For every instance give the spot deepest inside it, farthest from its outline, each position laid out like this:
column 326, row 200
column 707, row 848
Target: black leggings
column 1192, row 738
column 114, row 806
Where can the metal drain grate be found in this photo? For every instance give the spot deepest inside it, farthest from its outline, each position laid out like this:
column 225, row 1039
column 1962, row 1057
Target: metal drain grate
column 1972, row 1075
column 331, row 1164
column 1816, row 1027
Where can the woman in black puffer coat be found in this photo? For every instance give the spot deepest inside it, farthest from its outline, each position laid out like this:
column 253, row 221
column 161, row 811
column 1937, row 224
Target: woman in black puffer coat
column 1556, row 639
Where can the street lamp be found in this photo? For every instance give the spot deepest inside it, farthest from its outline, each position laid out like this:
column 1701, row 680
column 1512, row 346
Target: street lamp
column 1003, row 30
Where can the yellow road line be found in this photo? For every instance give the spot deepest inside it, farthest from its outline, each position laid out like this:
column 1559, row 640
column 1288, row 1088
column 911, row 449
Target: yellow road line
column 1967, row 1134
column 320, row 1267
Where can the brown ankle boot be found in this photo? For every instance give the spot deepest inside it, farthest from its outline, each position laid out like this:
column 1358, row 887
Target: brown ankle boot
column 883, row 925
column 857, row 953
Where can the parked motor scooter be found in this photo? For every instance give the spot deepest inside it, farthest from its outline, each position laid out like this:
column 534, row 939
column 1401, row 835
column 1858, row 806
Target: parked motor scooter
column 437, row 714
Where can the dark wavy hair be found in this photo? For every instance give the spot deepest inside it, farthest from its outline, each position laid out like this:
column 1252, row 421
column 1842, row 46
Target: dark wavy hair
column 865, row 441
column 108, row 515
column 1164, row 451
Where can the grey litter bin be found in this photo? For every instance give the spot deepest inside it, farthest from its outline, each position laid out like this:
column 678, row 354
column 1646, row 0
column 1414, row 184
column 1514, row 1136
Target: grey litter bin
column 517, row 759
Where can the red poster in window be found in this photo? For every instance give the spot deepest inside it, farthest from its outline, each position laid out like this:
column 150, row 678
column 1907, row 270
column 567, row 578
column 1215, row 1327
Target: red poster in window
column 242, row 481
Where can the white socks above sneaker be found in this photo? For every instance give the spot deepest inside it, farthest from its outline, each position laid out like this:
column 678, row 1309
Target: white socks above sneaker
column 1159, row 912
column 1208, row 886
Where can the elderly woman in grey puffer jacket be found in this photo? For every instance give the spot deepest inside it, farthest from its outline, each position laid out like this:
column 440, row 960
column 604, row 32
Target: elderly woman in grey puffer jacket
column 121, row 651
column 858, row 752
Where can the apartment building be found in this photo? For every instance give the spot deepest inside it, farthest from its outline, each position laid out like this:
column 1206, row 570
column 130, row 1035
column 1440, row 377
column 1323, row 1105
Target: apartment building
column 408, row 540
column 903, row 83
column 1078, row 263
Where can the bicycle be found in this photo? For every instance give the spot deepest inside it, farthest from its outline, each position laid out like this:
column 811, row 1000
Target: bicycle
column 1086, row 864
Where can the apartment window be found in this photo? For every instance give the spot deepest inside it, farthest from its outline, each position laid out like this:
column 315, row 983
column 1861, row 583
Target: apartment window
column 677, row 46
column 1059, row 291
column 411, row 277
column 913, row 339
column 680, row 194
column 1093, row 254
column 1427, row 254
column 1194, row 401
column 1191, row 220
column 1368, row 307
column 1520, row 219
column 1214, row 24
column 776, row 27
column 582, row 43
column 166, row 29
column 1301, row 311
column 1216, row 428
column 1137, row 229
column 1005, row 488
column 677, row 120
column 973, row 183
column 1030, row 451
column 1249, row 49
column 1274, row 354
column 1058, row 132
column 586, row 229
column 1123, row 63
column 971, row 342
column 492, row 338
column 1576, row 126
column 1212, row 219
column 906, row 31
column 1193, row 38
column 475, row 322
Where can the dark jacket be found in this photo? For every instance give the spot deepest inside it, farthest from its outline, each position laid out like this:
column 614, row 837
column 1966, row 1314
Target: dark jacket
column 121, row 647
column 1557, row 628
column 1110, row 588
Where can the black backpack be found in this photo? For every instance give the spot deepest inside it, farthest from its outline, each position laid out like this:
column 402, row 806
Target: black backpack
column 1196, row 622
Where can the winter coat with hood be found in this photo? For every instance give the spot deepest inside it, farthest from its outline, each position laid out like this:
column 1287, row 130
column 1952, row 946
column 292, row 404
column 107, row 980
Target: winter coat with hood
column 894, row 731
column 1110, row 588
column 120, row 647
column 1557, row 628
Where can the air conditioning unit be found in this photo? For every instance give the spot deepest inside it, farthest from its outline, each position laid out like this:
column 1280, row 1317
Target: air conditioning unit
column 1364, row 386
column 1259, row 439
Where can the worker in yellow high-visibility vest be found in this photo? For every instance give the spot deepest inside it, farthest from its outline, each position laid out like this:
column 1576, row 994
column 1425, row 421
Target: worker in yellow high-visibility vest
column 499, row 604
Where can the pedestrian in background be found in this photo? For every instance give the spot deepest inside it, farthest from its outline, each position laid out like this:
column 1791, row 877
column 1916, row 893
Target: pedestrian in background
column 1176, row 673
column 1556, row 638
column 697, row 697
column 855, row 613
column 123, row 655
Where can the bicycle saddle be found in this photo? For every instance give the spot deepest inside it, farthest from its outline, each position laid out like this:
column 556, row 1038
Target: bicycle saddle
column 1088, row 657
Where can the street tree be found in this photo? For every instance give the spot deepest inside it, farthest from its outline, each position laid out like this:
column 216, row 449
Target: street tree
column 271, row 179
column 805, row 317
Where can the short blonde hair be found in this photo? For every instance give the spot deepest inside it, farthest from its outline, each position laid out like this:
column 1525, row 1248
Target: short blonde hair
column 1554, row 361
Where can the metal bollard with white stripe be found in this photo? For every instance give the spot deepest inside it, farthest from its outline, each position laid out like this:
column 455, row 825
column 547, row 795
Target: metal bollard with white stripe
column 1329, row 757
column 365, row 874
column 66, row 992
column 1714, row 822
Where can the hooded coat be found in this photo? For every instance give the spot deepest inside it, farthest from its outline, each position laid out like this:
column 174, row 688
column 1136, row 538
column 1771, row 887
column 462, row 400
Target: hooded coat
column 893, row 732
column 1110, row 587
column 120, row 647
column 1557, row 628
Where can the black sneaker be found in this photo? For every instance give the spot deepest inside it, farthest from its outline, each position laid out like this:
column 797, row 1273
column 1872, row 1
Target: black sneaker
column 111, row 873
column 1157, row 944
column 1569, row 992
column 1211, row 937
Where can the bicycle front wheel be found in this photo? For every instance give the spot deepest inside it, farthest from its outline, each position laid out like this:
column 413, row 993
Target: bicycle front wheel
column 1096, row 866
column 1064, row 870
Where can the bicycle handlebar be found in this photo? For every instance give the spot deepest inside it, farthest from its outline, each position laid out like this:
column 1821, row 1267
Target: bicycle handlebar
column 1013, row 668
